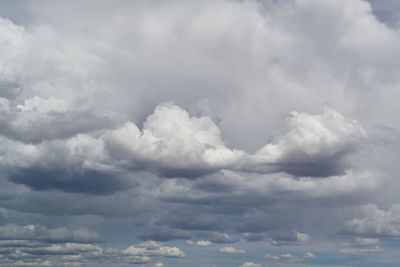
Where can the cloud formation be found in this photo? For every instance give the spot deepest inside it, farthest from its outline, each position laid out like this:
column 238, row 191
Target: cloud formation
column 376, row 223
column 259, row 125
column 231, row 250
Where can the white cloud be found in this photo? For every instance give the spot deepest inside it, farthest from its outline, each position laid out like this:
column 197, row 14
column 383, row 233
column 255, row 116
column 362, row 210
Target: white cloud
column 319, row 140
column 204, row 243
column 231, row 250
column 173, row 143
column 376, row 223
column 159, row 251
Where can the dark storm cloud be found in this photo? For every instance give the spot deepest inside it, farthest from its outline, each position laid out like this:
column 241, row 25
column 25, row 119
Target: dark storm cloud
column 62, row 165
column 89, row 182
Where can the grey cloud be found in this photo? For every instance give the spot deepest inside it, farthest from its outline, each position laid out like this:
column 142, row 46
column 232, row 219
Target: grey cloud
column 79, row 127
column 278, row 237
column 75, row 165
column 90, row 182
column 57, row 204
column 37, row 232
column 361, row 246
column 248, row 190
column 173, row 144
column 49, row 126
column 282, row 257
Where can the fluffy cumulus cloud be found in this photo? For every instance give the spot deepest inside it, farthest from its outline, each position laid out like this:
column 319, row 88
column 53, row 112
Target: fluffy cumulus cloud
column 158, row 251
column 315, row 145
column 173, row 144
column 376, row 223
column 176, row 133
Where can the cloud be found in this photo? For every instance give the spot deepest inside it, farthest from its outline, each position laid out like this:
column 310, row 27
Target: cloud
column 281, row 257
column 150, row 244
column 75, row 165
column 252, row 264
column 90, row 134
column 173, row 144
column 170, row 137
column 204, row 243
column 38, row 232
column 159, row 251
column 361, row 246
column 376, row 223
column 309, row 255
column 200, row 243
column 231, row 250
column 78, row 254
column 277, row 237
column 315, row 145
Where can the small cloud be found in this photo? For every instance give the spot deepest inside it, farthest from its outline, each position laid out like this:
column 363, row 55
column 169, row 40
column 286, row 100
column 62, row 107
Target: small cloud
column 189, row 242
column 231, row 250
column 204, row 243
column 309, row 255
column 282, row 257
column 301, row 237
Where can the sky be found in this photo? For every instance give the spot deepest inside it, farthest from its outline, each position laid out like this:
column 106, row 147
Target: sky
column 226, row 133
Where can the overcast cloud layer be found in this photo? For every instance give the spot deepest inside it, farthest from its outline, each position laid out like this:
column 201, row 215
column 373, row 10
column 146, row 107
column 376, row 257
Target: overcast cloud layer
column 199, row 133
